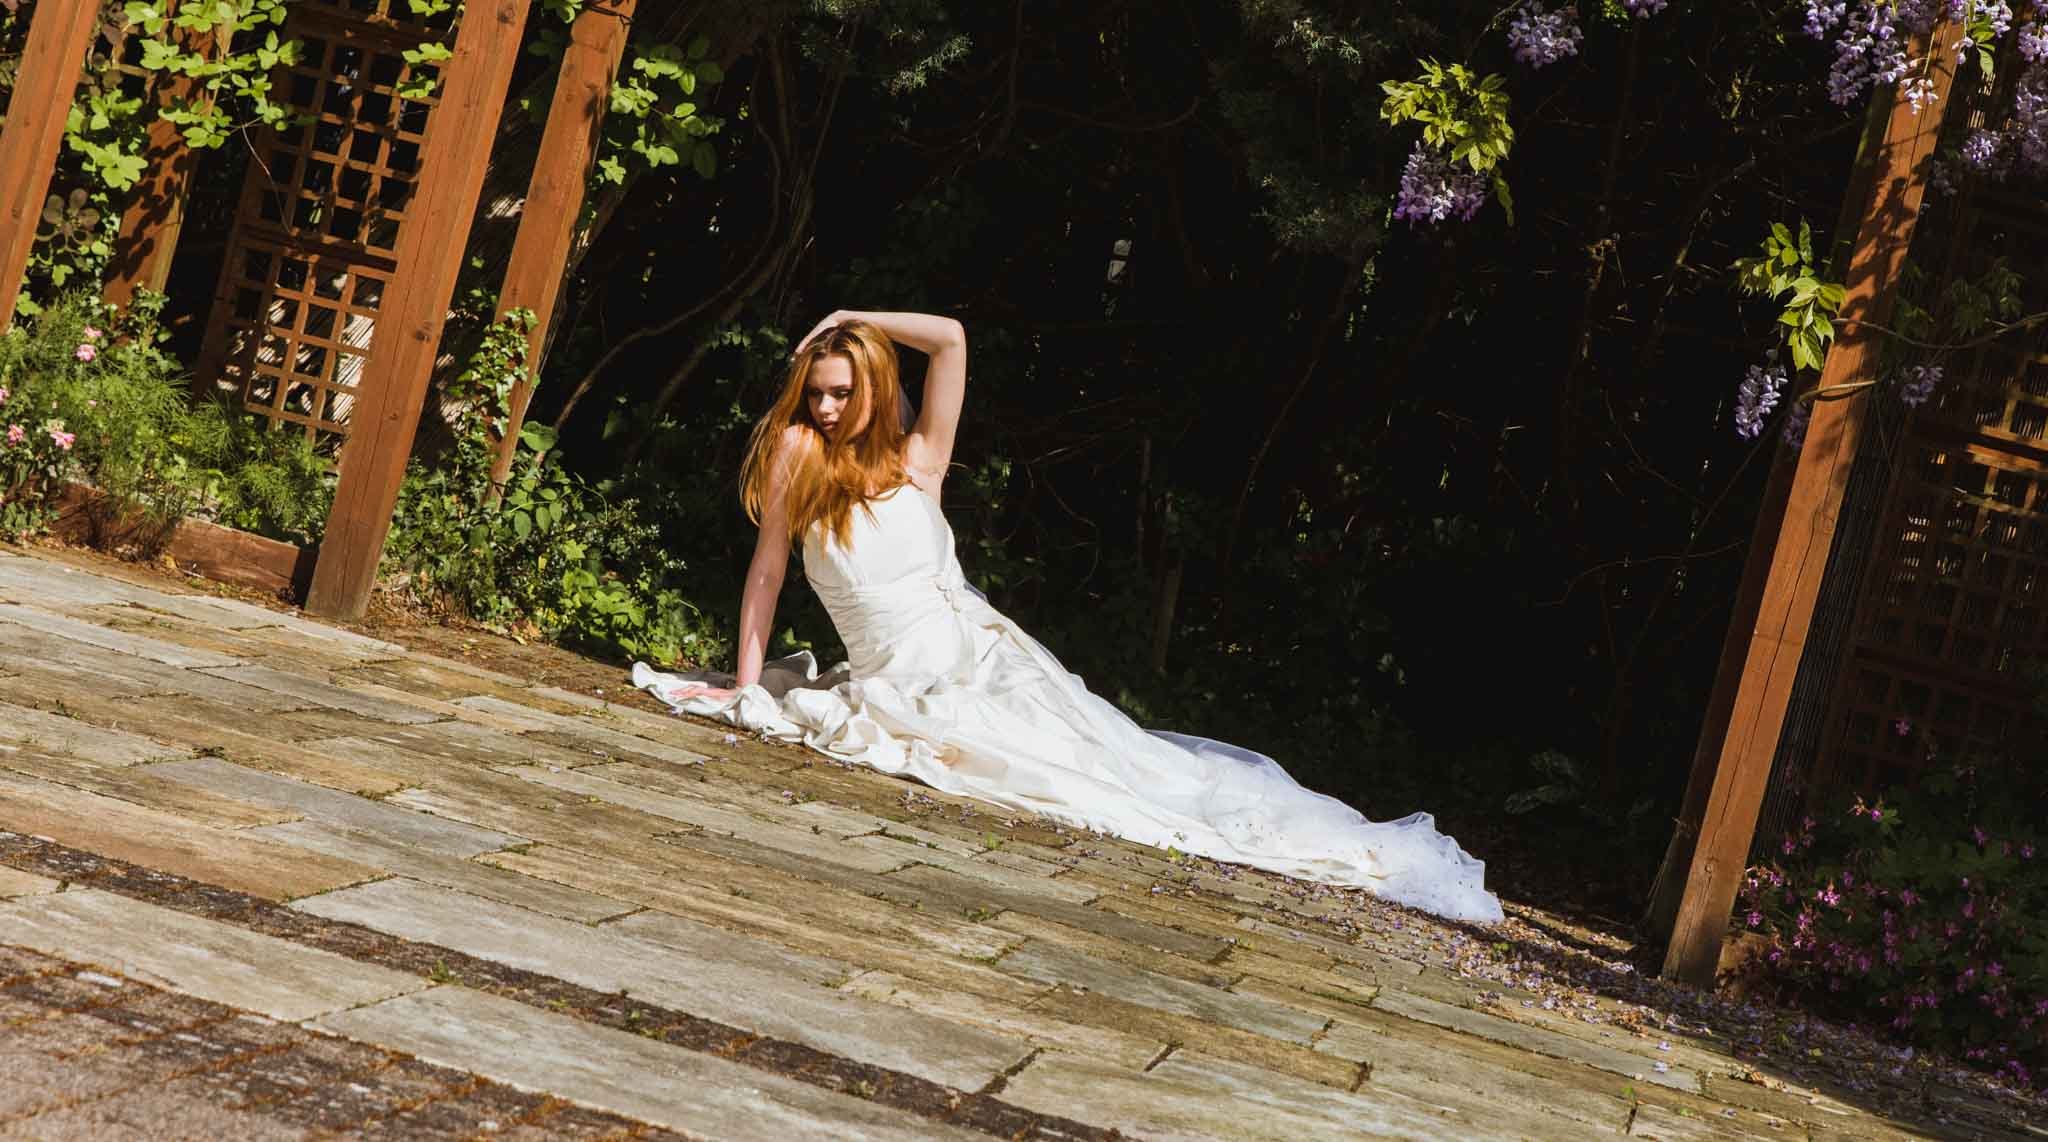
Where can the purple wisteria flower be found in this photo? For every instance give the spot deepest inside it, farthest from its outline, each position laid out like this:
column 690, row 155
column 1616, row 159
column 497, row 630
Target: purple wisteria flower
column 1643, row 9
column 2032, row 41
column 1980, row 149
column 1871, row 49
column 1794, row 432
column 1823, row 15
column 1540, row 38
column 1433, row 188
column 1756, row 396
column 1919, row 383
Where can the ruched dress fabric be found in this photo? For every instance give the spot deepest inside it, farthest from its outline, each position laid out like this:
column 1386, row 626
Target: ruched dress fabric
column 940, row 686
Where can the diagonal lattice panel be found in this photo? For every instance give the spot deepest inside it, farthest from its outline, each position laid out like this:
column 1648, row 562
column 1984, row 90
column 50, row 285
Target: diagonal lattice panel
column 295, row 309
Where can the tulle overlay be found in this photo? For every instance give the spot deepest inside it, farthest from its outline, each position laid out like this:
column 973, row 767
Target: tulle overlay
column 942, row 687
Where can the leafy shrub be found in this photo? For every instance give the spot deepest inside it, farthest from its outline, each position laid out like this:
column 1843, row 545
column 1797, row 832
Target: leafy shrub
column 90, row 395
column 1923, row 911
column 552, row 550
column 274, row 482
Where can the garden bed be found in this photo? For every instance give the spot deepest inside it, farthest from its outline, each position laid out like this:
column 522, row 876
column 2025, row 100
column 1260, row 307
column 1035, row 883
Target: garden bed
column 223, row 554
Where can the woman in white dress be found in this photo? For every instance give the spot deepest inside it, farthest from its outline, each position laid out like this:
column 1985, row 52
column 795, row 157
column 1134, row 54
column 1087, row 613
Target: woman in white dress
column 940, row 686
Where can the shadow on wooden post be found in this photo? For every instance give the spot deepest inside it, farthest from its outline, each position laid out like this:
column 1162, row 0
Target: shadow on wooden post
column 429, row 254
column 1800, row 557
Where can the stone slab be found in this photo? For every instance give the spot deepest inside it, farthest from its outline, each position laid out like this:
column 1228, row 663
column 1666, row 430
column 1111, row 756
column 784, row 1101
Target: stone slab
column 586, row 729
column 16, row 883
column 1213, row 1039
column 91, row 634
column 1361, row 1110
column 197, row 956
column 138, row 786
column 1117, row 1048
column 1054, row 964
column 321, row 692
column 1175, row 1107
column 491, row 883
column 687, row 1091
column 1041, row 882
column 378, row 818
column 1472, row 1022
column 40, row 731
column 692, row 938
column 729, row 990
column 813, row 846
column 426, row 744
column 74, row 670
column 951, row 886
column 804, row 916
column 167, row 842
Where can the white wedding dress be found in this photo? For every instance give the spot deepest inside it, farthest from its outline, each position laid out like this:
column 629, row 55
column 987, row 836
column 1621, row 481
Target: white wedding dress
column 940, row 686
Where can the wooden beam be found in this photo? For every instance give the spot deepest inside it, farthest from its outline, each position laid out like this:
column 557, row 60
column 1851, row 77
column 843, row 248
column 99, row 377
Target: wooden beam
column 415, row 306
column 1804, row 539
column 155, row 216
column 44, row 83
column 554, row 196
column 1662, row 912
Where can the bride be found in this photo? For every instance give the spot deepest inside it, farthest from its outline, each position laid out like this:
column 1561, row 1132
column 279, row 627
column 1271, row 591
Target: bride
column 940, row 686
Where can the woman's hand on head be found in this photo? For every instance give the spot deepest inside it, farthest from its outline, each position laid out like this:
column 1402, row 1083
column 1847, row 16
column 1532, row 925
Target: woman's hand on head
column 824, row 323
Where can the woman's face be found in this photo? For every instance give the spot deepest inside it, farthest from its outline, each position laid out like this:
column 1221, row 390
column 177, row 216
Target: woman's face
column 829, row 393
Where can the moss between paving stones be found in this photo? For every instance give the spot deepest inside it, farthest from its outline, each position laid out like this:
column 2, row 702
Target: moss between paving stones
column 974, row 1110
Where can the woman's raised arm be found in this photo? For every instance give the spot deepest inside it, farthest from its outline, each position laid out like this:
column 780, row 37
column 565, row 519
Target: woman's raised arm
column 944, row 340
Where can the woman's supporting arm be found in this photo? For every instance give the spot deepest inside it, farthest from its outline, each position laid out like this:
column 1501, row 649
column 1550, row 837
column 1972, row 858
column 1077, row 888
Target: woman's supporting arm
column 764, row 574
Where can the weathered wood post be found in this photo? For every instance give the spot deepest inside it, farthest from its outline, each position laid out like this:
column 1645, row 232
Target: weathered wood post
column 151, row 224
column 554, row 196
column 429, row 254
column 1814, row 502
column 59, row 31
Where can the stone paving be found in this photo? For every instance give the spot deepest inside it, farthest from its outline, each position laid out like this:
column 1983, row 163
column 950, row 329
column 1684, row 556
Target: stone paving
column 263, row 877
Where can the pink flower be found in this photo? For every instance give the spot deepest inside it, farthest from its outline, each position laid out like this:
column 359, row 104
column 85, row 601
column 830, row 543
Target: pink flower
column 16, row 434
column 1902, row 727
column 1977, row 834
column 85, row 352
column 58, row 436
column 3, row 394
column 91, row 334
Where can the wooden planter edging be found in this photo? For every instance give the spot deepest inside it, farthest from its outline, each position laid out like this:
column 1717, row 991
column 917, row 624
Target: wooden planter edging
column 222, row 554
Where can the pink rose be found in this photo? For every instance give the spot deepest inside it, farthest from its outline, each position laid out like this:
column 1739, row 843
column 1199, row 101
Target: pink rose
column 16, row 434
column 86, row 352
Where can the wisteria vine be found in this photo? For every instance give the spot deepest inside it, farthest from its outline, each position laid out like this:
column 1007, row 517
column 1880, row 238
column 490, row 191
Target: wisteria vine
column 1447, row 177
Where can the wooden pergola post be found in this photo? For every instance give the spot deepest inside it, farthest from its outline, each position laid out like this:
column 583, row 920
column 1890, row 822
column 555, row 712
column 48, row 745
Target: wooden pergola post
column 1662, row 911
column 154, row 218
column 1799, row 558
column 554, row 195
column 429, row 254
column 44, row 83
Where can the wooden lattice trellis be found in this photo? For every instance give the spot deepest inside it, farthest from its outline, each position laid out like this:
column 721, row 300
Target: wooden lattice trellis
column 316, row 230
column 1949, row 617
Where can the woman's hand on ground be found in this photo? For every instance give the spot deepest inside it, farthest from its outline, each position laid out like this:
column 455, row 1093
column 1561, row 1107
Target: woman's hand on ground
column 699, row 690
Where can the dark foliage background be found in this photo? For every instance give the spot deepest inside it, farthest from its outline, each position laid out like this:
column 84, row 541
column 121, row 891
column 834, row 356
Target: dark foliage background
column 1432, row 516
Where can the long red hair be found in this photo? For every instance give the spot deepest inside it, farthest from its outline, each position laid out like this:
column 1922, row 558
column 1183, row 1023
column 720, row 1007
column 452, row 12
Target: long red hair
column 824, row 479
